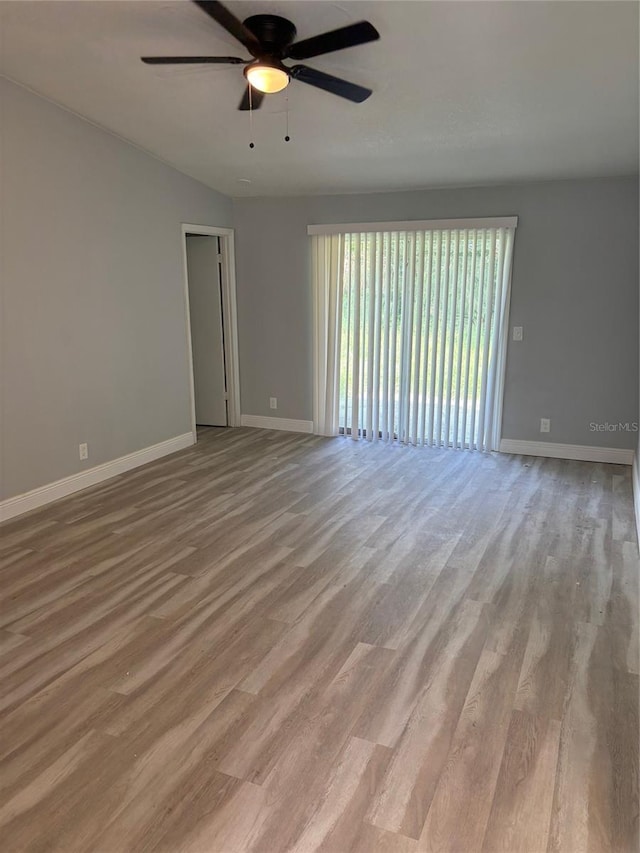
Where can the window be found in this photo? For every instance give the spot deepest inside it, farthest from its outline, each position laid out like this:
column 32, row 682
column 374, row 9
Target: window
column 410, row 331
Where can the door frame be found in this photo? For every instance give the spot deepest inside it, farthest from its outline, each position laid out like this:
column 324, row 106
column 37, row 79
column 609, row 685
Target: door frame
column 229, row 318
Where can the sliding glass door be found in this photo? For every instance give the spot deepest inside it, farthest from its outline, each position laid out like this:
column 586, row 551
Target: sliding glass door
column 410, row 333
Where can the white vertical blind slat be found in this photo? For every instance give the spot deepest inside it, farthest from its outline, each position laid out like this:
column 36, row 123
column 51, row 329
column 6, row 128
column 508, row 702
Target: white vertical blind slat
column 328, row 264
column 451, row 338
column 428, row 252
column 386, row 334
column 356, row 399
column 433, row 360
column 419, row 337
column 458, row 440
column 469, row 335
column 333, row 351
column 377, row 334
column 493, row 344
column 486, row 337
column 371, row 299
column 393, row 332
column 361, row 333
column 408, row 263
column 477, row 343
column 503, row 335
column 442, row 337
column 347, row 339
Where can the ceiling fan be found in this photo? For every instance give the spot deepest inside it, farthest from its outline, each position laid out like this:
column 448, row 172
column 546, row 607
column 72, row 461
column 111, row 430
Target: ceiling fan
column 269, row 40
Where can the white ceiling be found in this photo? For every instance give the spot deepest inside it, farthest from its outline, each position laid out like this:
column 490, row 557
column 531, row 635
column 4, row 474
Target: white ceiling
column 464, row 92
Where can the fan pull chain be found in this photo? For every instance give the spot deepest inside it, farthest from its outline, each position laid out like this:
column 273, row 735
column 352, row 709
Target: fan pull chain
column 287, row 137
column 251, row 145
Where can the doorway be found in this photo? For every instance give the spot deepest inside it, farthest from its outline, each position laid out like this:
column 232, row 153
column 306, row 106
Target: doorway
column 207, row 330
column 211, row 326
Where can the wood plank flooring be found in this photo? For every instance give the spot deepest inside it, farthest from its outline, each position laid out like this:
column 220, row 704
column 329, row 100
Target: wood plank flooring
column 275, row 642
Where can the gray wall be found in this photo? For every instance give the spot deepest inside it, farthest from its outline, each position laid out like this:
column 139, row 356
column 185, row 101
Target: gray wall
column 93, row 326
column 575, row 292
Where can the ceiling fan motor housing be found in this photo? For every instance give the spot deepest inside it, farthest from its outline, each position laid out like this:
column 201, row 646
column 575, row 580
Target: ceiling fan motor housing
column 273, row 32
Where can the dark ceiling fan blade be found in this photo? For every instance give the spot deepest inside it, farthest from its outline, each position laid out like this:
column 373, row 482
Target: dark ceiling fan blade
column 256, row 99
column 349, row 36
column 190, row 60
column 231, row 24
column 335, row 85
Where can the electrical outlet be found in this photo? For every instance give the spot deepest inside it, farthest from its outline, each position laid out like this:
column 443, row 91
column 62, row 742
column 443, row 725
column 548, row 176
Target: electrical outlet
column 545, row 425
column 273, row 402
column 517, row 333
column 84, row 451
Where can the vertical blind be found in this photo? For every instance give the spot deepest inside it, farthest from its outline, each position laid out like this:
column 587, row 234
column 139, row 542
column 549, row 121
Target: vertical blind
column 410, row 330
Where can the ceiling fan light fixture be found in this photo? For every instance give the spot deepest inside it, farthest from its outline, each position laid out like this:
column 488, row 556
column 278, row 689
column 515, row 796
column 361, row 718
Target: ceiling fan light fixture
column 267, row 77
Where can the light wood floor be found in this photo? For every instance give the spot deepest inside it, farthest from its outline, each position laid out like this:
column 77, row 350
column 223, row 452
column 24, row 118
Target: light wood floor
column 274, row 642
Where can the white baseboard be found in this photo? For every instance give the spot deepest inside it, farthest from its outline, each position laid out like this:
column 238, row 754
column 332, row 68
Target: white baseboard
column 635, row 477
column 67, row 486
column 583, row 453
column 288, row 424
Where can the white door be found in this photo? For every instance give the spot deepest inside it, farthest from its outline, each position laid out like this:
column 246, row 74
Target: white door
column 207, row 336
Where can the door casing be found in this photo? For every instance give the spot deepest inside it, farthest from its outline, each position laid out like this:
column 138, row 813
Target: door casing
column 229, row 318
